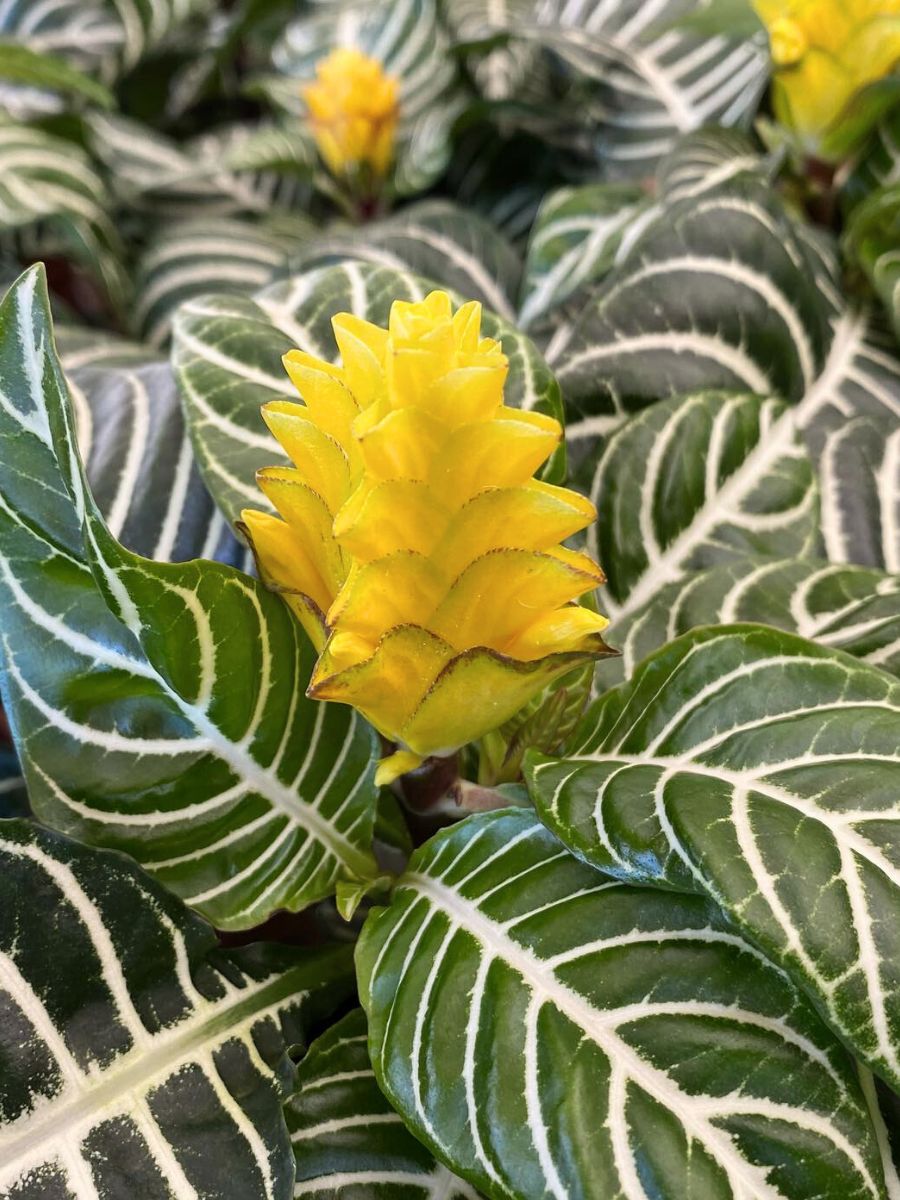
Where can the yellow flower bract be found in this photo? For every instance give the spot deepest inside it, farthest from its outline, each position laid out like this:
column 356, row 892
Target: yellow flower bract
column 416, row 548
column 824, row 52
column 353, row 109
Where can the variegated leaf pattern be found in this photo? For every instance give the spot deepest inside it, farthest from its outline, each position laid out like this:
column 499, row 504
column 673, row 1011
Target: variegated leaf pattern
column 52, row 199
column 574, row 241
column 189, row 258
column 347, row 1139
column 141, row 467
column 852, row 608
column 227, row 351
column 549, row 1032
column 100, row 36
column 512, row 71
column 173, row 724
column 140, row 1060
column 232, row 171
column 407, row 37
column 458, row 249
column 693, row 481
column 859, row 471
column 762, row 769
column 878, row 166
column 651, row 80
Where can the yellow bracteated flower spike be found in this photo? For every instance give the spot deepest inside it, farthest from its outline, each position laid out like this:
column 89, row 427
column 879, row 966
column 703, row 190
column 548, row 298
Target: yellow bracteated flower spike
column 824, row 52
column 416, row 548
column 353, row 108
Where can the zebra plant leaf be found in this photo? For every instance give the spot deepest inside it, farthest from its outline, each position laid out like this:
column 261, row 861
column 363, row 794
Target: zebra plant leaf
column 407, row 37
column 459, row 249
column 859, row 470
column 574, row 241
column 101, row 37
column 644, row 81
column 764, row 773
column 141, row 467
column 227, row 352
column 855, row 609
column 549, row 1032
column 173, row 724
column 139, row 1058
column 681, row 486
column 347, row 1139
column 725, row 291
column 189, row 258
column 51, row 198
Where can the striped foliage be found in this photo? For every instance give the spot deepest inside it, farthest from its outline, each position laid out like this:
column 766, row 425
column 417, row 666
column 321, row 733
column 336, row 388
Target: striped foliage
column 52, row 200
column 859, row 470
column 549, row 1032
column 693, row 481
column 640, row 81
column 852, row 608
column 409, row 40
column 190, row 257
column 878, row 165
column 141, row 467
column 457, row 248
column 347, row 1139
column 574, row 241
column 762, row 770
column 102, row 37
column 582, row 232
column 173, row 724
column 139, row 1058
column 871, row 240
column 227, row 352
column 238, row 169
column 511, row 71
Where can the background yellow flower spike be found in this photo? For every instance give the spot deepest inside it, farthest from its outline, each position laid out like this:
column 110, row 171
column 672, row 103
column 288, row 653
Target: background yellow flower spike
column 415, row 545
column 824, row 53
column 353, row 107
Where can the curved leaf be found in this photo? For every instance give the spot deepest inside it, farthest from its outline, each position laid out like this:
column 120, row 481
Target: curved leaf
column 551, row 1033
column 855, row 609
column 765, row 772
column 140, row 1059
column 860, row 487
column 346, row 1137
column 189, row 258
column 227, row 352
column 141, row 467
column 690, row 482
column 435, row 238
column 173, row 723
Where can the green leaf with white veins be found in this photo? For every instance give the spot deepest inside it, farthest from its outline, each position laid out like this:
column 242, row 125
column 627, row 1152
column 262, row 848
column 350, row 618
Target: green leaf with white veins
column 764, row 770
column 171, row 722
column 859, row 471
column 693, row 481
column 549, row 1032
column 347, row 1139
column 227, row 353
column 139, row 1059
column 852, row 608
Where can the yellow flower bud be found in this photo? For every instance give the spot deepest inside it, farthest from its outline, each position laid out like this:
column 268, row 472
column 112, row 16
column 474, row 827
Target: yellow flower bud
column 416, row 548
column 353, row 109
column 824, row 52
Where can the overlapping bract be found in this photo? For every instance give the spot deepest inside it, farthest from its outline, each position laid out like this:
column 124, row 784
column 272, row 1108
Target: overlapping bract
column 421, row 555
column 353, row 111
column 824, row 52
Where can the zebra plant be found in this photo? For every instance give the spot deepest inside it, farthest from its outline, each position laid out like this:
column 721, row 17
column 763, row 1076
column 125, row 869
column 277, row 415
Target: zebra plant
column 450, row 641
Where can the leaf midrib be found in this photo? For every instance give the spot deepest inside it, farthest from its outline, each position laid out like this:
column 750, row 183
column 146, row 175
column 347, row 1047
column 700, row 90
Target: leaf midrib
column 175, row 1048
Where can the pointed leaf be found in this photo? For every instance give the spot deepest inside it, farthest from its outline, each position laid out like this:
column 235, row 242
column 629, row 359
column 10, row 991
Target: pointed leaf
column 551, row 1032
column 139, row 1058
column 172, row 723
column 765, row 773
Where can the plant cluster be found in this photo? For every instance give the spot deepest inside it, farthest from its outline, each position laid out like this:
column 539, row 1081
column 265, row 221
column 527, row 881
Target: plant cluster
column 450, row 599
